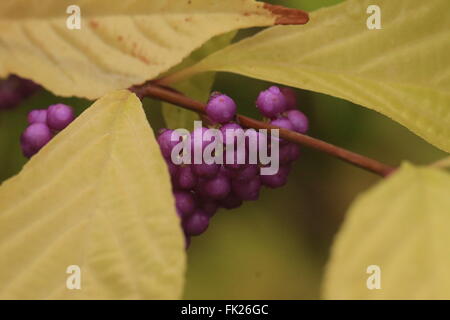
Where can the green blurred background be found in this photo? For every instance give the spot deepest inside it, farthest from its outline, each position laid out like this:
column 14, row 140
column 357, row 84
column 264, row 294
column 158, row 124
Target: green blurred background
column 277, row 247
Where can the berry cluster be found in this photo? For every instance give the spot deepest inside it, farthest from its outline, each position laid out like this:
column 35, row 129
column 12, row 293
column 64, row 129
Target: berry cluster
column 201, row 189
column 14, row 89
column 43, row 125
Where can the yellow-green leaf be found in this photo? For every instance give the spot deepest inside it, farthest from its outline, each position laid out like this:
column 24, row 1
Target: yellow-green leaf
column 196, row 87
column 120, row 43
column 401, row 226
column 401, row 71
column 97, row 196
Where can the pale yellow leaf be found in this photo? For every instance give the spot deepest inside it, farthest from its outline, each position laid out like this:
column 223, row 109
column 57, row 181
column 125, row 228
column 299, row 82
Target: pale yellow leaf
column 120, row 43
column 97, row 196
column 402, row 226
column 401, row 71
column 197, row 87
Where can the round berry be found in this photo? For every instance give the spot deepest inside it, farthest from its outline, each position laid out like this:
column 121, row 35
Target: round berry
column 216, row 188
column 165, row 142
column 196, row 224
column 289, row 153
column 205, row 170
column 59, row 116
column 28, row 87
column 247, row 190
column 271, row 102
column 299, row 121
column 34, row 138
column 37, row 116
column 221, row 108
column 276, row 180
column 185, row 203
column 9, row 99
column 231, row 201
column 230, row 133
column 173, row 168
column 209, row 207
column 283, row 123
column 291, row 98
column 185, row 178
column 248, row 172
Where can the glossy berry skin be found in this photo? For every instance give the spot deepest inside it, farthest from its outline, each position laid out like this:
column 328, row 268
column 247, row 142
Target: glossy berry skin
column 276, row 180
column 37, row 116
column 59, row 116
column 34, row 138
column 247, row 190
column 196, row 224
column 216, row 188
column 221, row 108
column 299, row 121
column 185, row 178
column 271, row 102
column 290, row 96
column 185, row 203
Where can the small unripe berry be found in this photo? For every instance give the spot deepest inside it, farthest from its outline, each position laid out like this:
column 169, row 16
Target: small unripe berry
column 271, row 102
column 221, row 108
column 59, row 116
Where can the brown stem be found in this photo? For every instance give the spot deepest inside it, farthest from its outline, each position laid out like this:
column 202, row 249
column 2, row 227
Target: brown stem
column 166, row 94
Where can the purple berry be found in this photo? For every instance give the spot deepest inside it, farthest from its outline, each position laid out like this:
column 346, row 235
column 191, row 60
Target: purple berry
column 246, row 173
column 209, row 207
column 216, row 188
column 282, row 123
column 28, row 87
column 59, row 116
column 276, row 180
column 294, row 152
column 291, row 98
column 10, row 96
column 289, row 153
column 299, row 121
column 271, row 102
column 238, row 158
column 185, row 178
column 185, row 203
column 231, row 201
column 37, row 116
column 230, row 129
column 34, row 138
column 196, row 224
column 205, row 170
column 166, row 144
column 247, row 190
column 221, row 108
column 173, row 168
